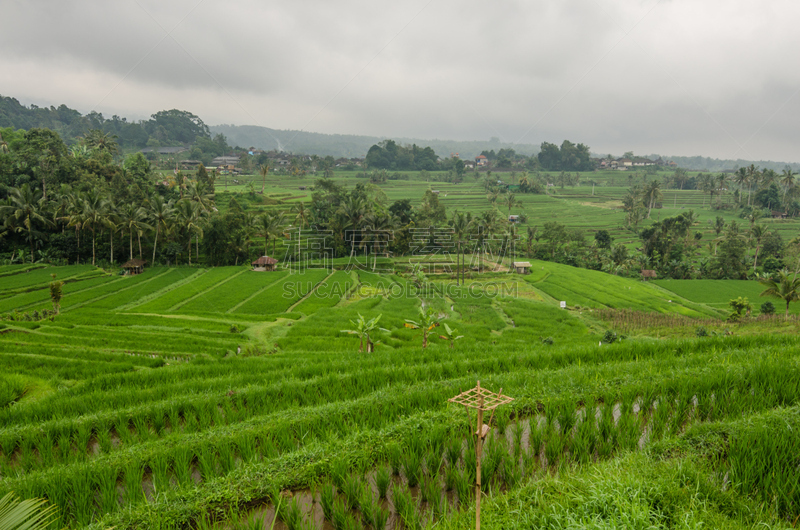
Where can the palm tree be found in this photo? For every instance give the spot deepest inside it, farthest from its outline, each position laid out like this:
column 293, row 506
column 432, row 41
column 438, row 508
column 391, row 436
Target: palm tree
column 160, row 214
column 511, row 201
column 92, row 214
column 787, row 288
column 352, row 211
column 133, row 218
column 461, row 227
column 752, row 180
column 787, row 181
column 652, row 194
column 97, row 139
column 110, row 221
column 302, row 215
column 28, row 514
column 188, row 214
column 264, row 170
column 270, row 226
column 363, row 328
column 427, row 321
column 740, row 179
column 3, row 146
column 25, row 210
column 757, row 232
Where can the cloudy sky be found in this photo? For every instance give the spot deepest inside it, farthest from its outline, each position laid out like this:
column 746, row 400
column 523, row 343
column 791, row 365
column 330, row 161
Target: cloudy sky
column 679, row 77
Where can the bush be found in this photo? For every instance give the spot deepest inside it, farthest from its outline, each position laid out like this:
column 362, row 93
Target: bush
column 701, row 332
column 610, row 337
column 767, row 308
column 547, row 340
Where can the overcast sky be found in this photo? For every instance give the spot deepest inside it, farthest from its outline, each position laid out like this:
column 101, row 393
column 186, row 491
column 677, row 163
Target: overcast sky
column 678, row 77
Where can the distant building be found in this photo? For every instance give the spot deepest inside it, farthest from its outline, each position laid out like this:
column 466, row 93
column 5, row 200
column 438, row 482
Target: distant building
column 513, row 219
column 225, row 161
column 481, row 160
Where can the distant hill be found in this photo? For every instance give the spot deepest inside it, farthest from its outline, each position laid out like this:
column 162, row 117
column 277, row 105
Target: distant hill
column 349, row 145
column 703, row 163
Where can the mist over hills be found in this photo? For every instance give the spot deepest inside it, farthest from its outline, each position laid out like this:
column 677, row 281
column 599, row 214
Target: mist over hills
column 71, row 124
column 350, row 145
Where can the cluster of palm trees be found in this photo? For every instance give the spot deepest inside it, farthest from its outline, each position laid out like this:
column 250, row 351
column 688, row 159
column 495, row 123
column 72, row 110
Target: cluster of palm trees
column 749, row 180
column 93, row 213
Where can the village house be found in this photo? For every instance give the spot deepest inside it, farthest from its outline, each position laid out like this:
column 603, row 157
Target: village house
column 481, row 160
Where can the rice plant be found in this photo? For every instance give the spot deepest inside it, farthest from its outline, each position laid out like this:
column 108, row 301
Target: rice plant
column 351, row 488
column 383, row 478
column 406, row 508
column 412, row 467
column 327, row 496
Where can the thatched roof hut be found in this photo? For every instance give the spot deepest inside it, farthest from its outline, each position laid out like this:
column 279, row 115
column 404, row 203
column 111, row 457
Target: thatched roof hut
column 134, row 266
column 522, row 267
column 264, row 263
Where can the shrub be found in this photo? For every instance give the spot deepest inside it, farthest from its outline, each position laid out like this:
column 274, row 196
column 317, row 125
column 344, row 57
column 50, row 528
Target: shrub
column 701, row 332
column 610, row 337
column 767, row 308
column 547, row 340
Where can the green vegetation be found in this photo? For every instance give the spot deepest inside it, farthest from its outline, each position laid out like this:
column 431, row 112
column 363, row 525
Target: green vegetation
column 193, row 411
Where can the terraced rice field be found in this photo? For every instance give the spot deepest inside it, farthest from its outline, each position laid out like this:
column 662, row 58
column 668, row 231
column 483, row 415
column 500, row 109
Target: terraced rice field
column 194, row 398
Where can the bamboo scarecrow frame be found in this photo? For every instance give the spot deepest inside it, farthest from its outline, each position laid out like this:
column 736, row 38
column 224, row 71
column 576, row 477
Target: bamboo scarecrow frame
column 482, row 400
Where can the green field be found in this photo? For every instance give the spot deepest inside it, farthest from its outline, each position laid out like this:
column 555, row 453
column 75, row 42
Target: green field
column 717, row 293
column 192, row 397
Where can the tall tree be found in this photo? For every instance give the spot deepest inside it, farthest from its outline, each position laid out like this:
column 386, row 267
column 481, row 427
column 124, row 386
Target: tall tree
column 161, row 213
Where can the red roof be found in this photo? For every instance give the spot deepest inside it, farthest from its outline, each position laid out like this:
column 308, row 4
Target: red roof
column 265, row 260
column 479, row 156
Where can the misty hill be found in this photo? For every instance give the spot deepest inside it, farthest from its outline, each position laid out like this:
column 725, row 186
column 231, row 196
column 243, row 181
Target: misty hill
column 176, row 127
column 350, row 145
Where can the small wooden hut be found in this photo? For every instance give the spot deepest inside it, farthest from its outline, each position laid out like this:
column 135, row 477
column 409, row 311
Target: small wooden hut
column 134, row 266
column 647, row 273
column 265, row 264
column 521, row 267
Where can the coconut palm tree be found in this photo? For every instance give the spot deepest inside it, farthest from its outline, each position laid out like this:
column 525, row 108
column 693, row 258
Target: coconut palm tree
column 26, row 212
column 511, row 201
column 787, row 288
column 161, row 213
column 270, row 226
column 461, row 226
column 92, row 213
column 753, row 176
column 302, row 215
column 652, row 194
column 188, row 215
column 264, row 171
column 27, row 514
column 3, row 146
column 787, row 181
column 133, row 219
column 352, row 211
column 757, row 232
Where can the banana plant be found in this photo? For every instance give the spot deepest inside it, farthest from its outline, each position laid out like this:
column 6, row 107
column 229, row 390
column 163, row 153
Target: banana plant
column 363, row 328
column 427, row 321
column 450, row 335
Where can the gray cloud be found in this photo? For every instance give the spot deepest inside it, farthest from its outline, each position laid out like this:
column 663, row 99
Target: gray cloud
column 673, row 76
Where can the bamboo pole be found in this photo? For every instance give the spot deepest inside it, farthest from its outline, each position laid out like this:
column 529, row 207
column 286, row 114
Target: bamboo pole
column 478, row 447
